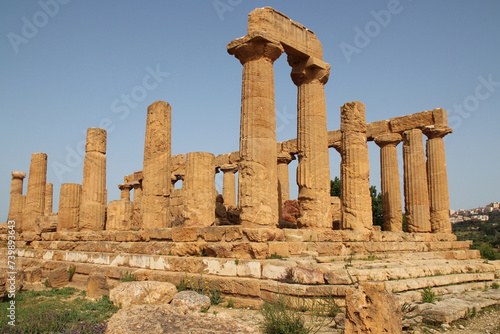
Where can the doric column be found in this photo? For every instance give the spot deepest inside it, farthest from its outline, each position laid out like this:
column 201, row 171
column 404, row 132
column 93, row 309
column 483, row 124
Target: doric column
column 35, row 196
column 415, row 182
column 136, row 217
column 94, row 199
column 355, row 169
column 49, row 195
column 313, row 171
column 125, row 191
column 438, row 179
column 284, row 159
column 391, row 189
column 258, row 180
column 199, row 189
column 69, row 207
column 17, row 199
column 229, row 184
column 156, row 167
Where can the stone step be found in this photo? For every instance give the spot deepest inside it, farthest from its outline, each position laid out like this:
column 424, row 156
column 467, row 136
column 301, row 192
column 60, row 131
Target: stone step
column 456, row 307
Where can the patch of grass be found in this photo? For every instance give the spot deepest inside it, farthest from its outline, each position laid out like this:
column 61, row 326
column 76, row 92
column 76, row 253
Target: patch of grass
column 280, row 318
column 428, row 296
column 230, row 303
column 275, row 256
column 71, row 272
column 236, row 261
column 128, row 276
column 52, row 311
column 202, row 286
column 495, row 285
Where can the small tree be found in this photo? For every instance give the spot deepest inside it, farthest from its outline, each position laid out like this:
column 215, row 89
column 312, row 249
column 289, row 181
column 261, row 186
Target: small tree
column 335, row 187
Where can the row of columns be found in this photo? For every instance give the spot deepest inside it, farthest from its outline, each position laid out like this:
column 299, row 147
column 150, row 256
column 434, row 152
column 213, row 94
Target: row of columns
column 258, row 193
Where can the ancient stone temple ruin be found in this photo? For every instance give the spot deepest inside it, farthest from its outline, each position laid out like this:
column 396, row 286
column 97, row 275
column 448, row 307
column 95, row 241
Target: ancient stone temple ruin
column 158, row 232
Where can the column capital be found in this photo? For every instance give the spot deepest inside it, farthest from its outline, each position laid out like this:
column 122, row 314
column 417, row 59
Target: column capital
column 433, row 131
column 229, row 168
column 285, row 157
column 388, row 139
column 125, row 186
column 307, row 69
column 18, row 175
column 255, row 45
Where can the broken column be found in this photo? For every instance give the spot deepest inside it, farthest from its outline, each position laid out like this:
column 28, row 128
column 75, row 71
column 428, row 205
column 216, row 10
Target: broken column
column 258, row 179
column 313, row 172
column 49, row 195
column 438, row 179
column 355, row 169
column 415, row 182
column 391, row 189
column 156, row 167
column 35, row 196
column 199, row 189
column 94, row 199
column 17, row 199
column 229, row 184
column 69, row 207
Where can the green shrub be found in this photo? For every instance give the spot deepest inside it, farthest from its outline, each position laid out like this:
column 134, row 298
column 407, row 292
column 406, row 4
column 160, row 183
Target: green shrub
column 487, row 251
column 127, row 277
column 428, row 296
column 205, row 287
column 280, row 318
column 495, row 285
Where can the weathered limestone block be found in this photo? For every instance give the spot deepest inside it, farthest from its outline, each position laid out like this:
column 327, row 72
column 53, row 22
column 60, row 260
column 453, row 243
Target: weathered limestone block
column 413, row 121
column 120, row 215
column 33, row 274
column 229, row 184
column 192, row 300
column 355, row 169
column 438, row 179
column 199, row 189
column 97, row 286
column 377, row 128
column 258, row 179
column 47, row 223
column 49, row 194
column 415, row 183
column 372, row 309
column 293, row 34
column 35, row 196
column 390, row 187
column 94, row 198
column 58, row 277
column 147, row 292
column 313, row 172
column 69, row 207
column 17, row 199
column 156, row 183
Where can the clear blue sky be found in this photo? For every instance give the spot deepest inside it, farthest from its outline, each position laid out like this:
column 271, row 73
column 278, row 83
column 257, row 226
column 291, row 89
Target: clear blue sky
column 69, row 67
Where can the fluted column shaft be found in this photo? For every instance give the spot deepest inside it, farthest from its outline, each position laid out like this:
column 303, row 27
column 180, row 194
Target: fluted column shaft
column 94, row 196
column 355, row 169
column 49, row 195
column 136, row 217
column 69, row 207
column 199, row 189
column 284, row 159
column 229, row 184
column 438, row 179
column 313, row 171
column 258, row 180
column 415, row 182
column 35, row 196
column 17, row 199
column 156, row 181
column 391, row 188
